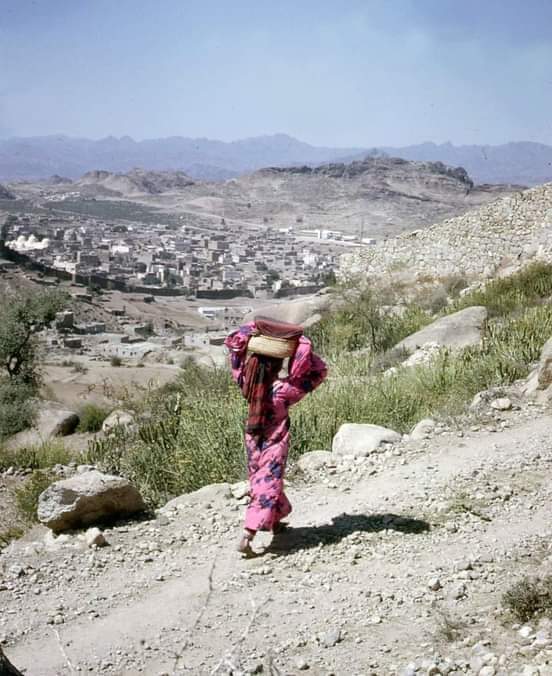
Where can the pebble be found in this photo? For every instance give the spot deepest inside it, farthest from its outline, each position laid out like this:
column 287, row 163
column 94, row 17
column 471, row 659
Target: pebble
column 95, row 538
column 301, row 664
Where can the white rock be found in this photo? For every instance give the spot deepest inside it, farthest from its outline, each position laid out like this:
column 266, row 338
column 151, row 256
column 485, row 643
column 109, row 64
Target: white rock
column 359, row 440
column 240, row 490
column 117, row 418
column 212, row 493
column 87, row 498
column 434, row 584
column 315, row 460
column 502, row 404
column 455, row 331
column 95, row 538
column 525, row 631
column 487, row 671
column 423, row 430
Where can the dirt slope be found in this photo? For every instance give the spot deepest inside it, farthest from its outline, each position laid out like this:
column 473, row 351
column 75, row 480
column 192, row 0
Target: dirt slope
column 346, row 592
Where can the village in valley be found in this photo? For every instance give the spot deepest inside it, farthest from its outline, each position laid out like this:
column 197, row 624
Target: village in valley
column 157, row 292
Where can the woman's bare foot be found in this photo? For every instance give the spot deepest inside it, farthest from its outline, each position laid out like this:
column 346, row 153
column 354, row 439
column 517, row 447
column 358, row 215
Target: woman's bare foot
column 244, row 546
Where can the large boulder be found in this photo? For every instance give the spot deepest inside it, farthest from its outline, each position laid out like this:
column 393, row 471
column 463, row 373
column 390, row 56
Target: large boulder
column 117, row 418
column 87, row 498
column 539, row 382
column 359, row 440
column 52, row 420
column 456, row 331
column 212, row 494
column 300, row 311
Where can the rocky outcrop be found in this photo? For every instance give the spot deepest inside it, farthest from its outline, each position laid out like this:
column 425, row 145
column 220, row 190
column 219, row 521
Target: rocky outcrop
column 87, row 498
column 455, row 331
column 359, row 440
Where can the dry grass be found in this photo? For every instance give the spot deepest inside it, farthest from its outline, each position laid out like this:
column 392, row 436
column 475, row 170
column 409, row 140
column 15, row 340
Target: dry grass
column 529, row 598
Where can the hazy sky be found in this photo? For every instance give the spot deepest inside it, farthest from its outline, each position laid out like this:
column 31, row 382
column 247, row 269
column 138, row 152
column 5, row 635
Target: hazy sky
column 349, row 73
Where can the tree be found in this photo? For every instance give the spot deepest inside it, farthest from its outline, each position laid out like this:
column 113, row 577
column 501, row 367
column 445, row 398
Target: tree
column 21, row 318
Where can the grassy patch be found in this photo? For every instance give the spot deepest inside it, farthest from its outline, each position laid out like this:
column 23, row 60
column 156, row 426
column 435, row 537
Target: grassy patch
column 190, row 433
column 529, row 598
column 17, row 407
column 26, row 495
column 91, row 418
column 36, row 457
column 10, row 534
column 501, row 297
column 362, row 322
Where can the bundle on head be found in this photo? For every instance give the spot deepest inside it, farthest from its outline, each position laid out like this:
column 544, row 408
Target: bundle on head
column 275, row 342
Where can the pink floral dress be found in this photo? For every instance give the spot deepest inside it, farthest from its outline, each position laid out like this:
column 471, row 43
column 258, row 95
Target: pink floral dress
column 266, row 460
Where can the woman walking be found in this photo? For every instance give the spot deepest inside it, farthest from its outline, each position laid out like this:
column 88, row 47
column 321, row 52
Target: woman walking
column 256, row 371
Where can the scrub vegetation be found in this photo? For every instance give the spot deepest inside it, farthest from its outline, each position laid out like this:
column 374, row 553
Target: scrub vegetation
column 189, row 433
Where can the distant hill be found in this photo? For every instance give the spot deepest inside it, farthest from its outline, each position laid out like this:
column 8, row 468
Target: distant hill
column 6, row 194
column 40, row 157
column 134, row 182
column 523, row 162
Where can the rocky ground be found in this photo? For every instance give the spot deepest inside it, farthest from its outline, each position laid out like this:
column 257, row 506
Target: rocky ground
column 395, row 564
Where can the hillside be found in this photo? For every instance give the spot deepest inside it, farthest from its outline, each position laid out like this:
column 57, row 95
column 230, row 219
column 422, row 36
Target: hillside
column 495, row 237
column 381, row 196
column 134, row 182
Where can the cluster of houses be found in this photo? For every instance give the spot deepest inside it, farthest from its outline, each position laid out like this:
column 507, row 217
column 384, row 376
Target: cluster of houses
column 184, row 259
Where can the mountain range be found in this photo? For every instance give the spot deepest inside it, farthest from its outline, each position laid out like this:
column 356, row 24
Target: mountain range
column 39, row 158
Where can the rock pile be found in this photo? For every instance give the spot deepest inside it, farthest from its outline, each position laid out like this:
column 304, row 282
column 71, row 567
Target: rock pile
column 507, row 232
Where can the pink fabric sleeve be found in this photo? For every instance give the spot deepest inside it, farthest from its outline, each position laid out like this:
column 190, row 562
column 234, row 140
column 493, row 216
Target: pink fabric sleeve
column 236, row 343
column 307, row 371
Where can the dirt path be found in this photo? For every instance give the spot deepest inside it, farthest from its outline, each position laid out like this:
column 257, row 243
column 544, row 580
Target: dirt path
column 379, row 553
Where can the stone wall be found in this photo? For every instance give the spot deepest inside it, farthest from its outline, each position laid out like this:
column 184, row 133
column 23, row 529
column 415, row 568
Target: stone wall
column 508, row 232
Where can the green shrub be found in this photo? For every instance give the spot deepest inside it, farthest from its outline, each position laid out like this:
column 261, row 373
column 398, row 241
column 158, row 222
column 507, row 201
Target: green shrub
column 504, row 296
column 26, row 495
column 362, row 323
column 36, row 457
column 91, row 417
column 17, row 407
column 116, row 361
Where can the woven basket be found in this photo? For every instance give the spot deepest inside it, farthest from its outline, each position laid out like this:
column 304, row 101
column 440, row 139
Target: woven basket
column 272, row 347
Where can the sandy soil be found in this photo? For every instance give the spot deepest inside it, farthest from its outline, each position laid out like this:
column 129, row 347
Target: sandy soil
column 379, row 552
